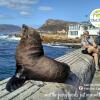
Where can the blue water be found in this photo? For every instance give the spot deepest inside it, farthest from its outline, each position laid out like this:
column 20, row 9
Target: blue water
column 7, row 55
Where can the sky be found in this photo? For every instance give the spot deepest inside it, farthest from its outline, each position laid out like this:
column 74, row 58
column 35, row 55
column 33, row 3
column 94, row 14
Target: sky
column 36, row 12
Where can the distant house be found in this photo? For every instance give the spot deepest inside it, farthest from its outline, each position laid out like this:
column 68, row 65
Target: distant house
column 76, row 30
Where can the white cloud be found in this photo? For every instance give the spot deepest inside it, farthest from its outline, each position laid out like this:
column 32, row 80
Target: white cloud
column 45, row 8
column 22, row 6
column 18, row 4
column 24, row 13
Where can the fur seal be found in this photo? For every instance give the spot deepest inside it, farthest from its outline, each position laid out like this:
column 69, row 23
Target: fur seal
column 31, row 63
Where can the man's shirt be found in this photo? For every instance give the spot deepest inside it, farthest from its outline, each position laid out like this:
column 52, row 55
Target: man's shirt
column 87, row 41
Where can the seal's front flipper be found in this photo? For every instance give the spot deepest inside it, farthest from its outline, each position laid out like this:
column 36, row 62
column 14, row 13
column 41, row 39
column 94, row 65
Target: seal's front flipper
column 14, row 83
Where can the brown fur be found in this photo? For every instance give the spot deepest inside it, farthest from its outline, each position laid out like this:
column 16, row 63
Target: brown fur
column 31, row 63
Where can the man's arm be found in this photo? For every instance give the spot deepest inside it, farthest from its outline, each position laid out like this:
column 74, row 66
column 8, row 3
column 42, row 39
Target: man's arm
column 85, row 45
column 94, row 45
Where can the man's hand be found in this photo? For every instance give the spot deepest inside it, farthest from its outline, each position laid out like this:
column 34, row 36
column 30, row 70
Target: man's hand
column 94, row 45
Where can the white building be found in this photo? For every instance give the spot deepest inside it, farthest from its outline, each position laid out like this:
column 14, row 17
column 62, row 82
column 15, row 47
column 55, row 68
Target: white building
column 76, row 30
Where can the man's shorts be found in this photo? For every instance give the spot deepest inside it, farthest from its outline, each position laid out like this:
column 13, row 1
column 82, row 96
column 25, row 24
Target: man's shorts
column 86, row 52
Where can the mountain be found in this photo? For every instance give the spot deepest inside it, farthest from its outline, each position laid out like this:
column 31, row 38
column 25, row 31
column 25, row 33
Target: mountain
column 9, row 28
column 54, row 25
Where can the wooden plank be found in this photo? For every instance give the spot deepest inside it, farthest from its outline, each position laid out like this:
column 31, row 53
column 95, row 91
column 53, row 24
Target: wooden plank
column 3, row 93
column 2, row 86
column 68, row 58
column 79, row 64
column 50, row 88
column 96, row 82
column 86, row 58
column 68, row 55
column 27, row 93
column 72, row 60
column 4, row 81
column 17, row 92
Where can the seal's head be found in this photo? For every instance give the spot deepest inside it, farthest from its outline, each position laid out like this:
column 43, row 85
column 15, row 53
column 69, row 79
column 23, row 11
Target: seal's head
column 30, row 41
column 30, row 37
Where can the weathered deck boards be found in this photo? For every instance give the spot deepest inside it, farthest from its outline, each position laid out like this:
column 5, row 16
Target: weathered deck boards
column 95, row 87
column 82, row 70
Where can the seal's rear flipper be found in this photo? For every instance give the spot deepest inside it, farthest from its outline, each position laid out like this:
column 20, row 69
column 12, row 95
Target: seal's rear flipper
column 14, row 83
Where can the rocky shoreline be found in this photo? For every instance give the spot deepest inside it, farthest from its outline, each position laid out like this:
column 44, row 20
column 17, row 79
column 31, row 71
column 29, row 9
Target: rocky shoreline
column 58, row 40
column 50, row 38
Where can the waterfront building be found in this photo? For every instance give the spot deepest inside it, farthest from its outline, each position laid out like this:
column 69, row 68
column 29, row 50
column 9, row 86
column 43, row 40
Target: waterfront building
column 76, row 30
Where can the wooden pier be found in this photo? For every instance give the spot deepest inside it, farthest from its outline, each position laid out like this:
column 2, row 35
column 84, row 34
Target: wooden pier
column 82, row 72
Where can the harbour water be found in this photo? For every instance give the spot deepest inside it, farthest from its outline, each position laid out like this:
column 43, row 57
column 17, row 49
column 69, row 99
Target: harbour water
column 8, row 50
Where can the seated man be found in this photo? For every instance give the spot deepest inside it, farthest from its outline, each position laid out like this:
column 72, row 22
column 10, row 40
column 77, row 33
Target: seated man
column 90, row 47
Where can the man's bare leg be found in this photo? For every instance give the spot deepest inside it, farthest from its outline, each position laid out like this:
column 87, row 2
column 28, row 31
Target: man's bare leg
column 92, row 49
column 96, row 60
